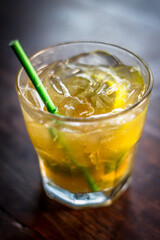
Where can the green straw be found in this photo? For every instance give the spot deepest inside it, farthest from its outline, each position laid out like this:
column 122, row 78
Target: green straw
column 17, row 48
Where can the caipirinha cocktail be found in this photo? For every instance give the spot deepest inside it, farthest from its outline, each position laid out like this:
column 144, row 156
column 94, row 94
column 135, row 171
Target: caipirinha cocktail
column 93, row 155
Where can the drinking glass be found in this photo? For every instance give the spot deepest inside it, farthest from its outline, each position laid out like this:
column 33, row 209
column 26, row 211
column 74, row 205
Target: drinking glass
column 85, row 162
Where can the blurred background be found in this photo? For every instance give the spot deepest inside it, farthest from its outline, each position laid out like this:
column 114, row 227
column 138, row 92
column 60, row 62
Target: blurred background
column 134, row 25
column 38, row 24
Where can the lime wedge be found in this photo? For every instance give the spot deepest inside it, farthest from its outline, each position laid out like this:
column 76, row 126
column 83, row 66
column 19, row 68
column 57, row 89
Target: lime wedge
column 119, row 89
column 120, row 94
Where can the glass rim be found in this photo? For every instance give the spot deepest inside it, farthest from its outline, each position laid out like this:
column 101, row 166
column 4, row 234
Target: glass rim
column 93, row 118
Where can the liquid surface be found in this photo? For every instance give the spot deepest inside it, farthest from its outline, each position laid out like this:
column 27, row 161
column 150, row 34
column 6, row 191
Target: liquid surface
column 89, row 84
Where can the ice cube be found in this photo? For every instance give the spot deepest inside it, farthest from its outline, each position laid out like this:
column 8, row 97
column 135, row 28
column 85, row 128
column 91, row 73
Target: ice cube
column 59, row 86
column 95, row 58
column 33, row 97
column 65, row 70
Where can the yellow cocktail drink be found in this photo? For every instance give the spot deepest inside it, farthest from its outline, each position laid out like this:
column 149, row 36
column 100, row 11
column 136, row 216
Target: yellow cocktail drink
column 89, row 147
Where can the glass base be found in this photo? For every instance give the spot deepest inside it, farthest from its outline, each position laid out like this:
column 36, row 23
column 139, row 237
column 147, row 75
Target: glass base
column 82, row 200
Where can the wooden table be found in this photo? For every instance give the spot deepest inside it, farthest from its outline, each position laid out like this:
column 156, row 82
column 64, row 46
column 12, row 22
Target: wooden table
column 25, row 211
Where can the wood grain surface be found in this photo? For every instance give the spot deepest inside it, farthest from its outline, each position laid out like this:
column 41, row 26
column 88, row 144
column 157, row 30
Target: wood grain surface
column 25, row 211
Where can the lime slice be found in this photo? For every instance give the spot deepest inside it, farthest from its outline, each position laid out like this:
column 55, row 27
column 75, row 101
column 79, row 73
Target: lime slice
column 120, row 94
column 119, row 89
